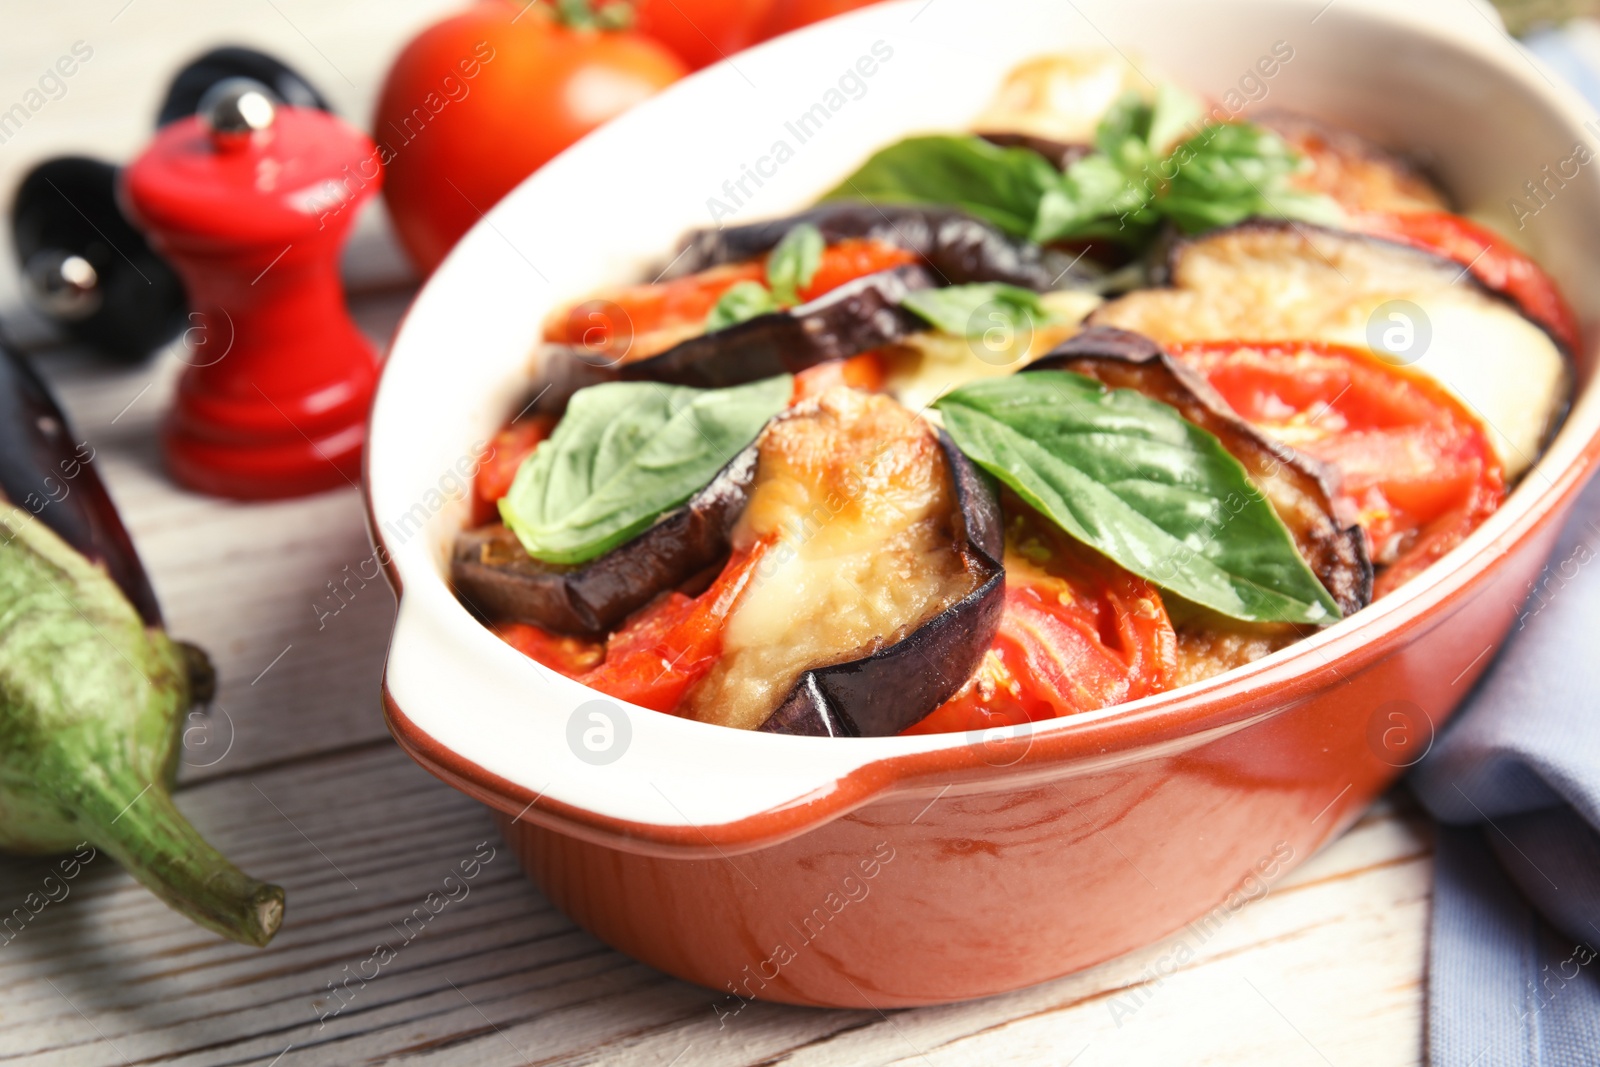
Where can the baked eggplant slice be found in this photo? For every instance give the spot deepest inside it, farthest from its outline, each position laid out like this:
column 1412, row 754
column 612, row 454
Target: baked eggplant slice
column 880, row 585
column 1351, row 169
column 856, row 317
column 958, row 248
column 1061, row 154
column 1299, row 488
column 1267, row 280
column 494, row 575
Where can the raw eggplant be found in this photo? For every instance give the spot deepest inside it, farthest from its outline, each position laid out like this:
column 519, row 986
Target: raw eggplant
column 48, row 473
column 856, row 317
column 93, row 692
column 884, row 693
column 494, row 575
column 1298, row 487
column 958, row 248
column 1266, row 280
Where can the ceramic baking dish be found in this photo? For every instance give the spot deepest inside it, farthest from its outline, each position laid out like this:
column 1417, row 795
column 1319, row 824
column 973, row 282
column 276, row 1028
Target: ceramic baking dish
column 900, row 871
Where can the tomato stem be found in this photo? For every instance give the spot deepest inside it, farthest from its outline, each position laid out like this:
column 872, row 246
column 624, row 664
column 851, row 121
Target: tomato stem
column 588, row 15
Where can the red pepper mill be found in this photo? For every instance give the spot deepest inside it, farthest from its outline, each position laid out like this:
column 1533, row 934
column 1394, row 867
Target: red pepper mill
column 251, row 200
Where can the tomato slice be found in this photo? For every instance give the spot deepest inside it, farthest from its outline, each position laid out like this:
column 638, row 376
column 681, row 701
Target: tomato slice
column 866, row 372
column 644, row 320
column 666, row 648
column 658, row 653
column 1077, row 633
column 1417, row 471
column 850, row 259
column 1493, row 260
column 570, row 656
column 499, row 468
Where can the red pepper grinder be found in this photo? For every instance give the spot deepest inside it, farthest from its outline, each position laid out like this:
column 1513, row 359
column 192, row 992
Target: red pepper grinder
column 251, row 200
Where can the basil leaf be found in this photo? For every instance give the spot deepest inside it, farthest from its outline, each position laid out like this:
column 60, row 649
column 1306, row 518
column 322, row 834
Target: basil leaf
column 1175, row 112
column 1094, row 199
column 973, row 310
column 794, row 263
column 1002, row 185
column 744, row 300
column 1229, row 172
column 1131, row 478
column 624, row 454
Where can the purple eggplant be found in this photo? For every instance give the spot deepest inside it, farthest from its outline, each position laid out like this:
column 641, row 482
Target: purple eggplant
column 47, row 471
column 1298, row 487
column 494, row 575
column 93, row 693
column 898, row 686
column 856, row 317
column 958, row 248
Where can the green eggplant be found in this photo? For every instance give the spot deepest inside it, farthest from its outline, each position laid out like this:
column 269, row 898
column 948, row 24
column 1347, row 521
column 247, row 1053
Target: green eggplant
column 93, row 694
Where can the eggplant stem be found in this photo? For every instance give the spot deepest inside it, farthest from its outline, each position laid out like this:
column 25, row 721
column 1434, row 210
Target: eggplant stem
column 143, row 830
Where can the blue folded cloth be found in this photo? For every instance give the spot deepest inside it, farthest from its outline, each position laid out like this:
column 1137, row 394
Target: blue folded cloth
column 1514, row 962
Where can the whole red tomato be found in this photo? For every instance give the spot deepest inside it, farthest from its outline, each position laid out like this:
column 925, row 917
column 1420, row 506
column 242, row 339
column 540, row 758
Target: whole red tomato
column 478, row 102
column 700, row 32
column 789, row 15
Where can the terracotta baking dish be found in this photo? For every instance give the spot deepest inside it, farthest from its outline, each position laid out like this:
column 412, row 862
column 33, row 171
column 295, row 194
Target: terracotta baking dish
column 901, row 871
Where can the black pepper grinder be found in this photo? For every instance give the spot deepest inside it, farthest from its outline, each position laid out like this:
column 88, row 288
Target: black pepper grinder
column 84, row 266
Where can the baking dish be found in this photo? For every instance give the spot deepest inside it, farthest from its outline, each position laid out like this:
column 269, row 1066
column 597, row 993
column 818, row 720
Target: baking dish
column 901, row 871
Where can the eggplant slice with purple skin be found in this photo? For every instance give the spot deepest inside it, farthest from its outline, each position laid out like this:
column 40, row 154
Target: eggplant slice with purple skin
column 958, row 248
column 856, row 317
column 46, row 472
column 496, row 577
column 896, row 687
column 873, row 695
column 1298, row 487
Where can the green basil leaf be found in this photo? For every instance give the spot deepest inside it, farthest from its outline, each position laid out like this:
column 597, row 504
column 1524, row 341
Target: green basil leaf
column 624, row 454
column 973, row 310
column 1174, row 114
column 794, row 262
column 1131, row 478
column 1229, row 172
column 1002, row 185
column 744, row 300
column 1094, row 199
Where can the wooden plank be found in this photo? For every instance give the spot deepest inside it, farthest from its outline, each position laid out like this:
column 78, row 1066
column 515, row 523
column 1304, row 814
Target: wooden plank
column 359, row 839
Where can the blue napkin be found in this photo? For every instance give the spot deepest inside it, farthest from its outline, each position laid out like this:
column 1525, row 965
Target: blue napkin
column 1514, row 961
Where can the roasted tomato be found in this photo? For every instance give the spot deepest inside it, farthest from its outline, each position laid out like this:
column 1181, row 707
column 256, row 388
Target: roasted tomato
column 656, row 655
column 479, row 101
column 1493, row 260
column 1417, row 471
column 1078, row 633
column 499, row 468
column 867, row 372
column 644, row 320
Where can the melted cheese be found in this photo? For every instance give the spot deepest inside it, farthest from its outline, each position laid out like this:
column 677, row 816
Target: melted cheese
column 853, row 496
column 927, row 365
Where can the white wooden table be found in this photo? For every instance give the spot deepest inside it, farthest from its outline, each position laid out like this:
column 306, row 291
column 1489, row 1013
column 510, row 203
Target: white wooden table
column 295, row 777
